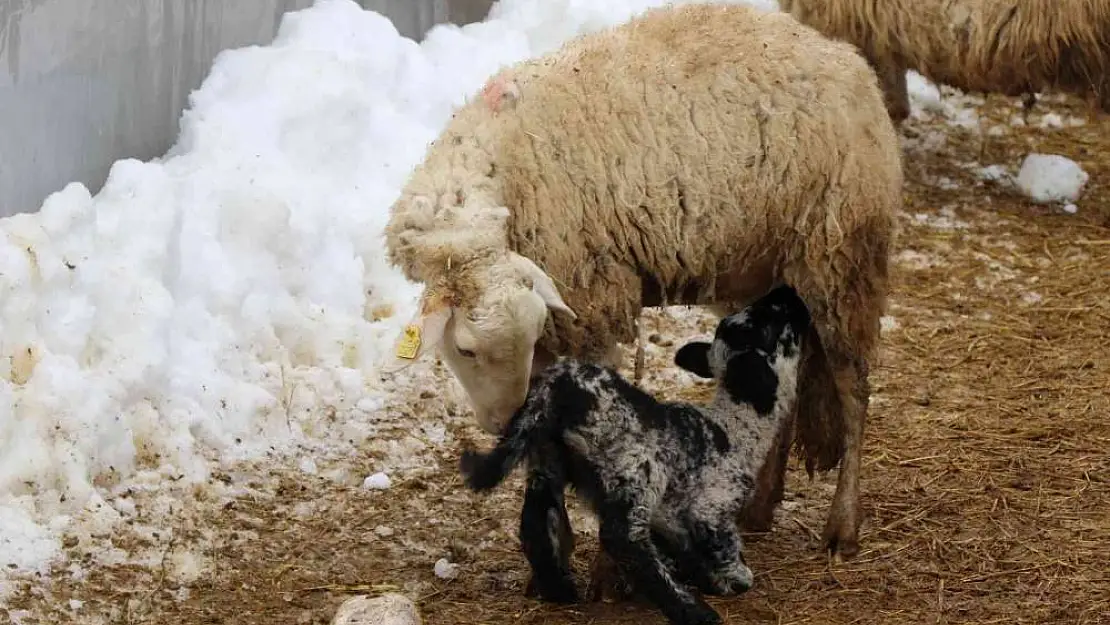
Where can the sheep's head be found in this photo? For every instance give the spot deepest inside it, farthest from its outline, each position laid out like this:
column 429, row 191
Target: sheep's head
column 485, row 319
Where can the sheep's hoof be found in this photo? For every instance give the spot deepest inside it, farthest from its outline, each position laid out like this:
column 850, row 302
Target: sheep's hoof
column 840, row 541
column 759, row 517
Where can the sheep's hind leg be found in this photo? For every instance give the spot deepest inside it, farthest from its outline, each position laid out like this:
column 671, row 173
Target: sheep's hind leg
column 847, row 319
column 547, row 539
column 626, row 535
column 841, row 533
column 892, row 79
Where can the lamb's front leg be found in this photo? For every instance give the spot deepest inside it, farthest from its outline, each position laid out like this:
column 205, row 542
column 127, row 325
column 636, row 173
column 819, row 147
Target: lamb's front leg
column 719, row 550
column 606, row 578
column 626, row 535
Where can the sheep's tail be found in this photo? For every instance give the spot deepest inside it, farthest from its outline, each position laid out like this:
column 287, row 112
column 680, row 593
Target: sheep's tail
column 531, row 424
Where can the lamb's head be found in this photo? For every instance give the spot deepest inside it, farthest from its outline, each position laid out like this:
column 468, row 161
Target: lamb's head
column 755, row 353
column 485, row 318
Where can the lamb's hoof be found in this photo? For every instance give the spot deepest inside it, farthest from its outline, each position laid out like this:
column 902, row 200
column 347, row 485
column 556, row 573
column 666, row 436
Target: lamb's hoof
column 736, row 580
column 607, row 580
column 698, row 615
column 556, row 591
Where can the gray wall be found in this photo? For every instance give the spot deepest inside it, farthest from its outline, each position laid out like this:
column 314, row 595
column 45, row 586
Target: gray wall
column 84, row 83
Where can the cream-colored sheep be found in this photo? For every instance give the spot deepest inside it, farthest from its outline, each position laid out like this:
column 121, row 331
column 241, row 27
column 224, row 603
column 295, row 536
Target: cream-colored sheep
column 1009, row 47
column 699, row 155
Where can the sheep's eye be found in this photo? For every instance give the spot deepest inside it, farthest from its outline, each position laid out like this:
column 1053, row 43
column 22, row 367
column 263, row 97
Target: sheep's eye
column 466, row 353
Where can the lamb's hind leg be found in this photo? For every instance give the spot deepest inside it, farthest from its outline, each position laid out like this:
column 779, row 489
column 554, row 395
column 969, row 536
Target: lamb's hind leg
column 606, row 578
column 547, row 539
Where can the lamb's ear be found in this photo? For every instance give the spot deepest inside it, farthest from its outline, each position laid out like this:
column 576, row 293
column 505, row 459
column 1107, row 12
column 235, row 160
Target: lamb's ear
column 694, row 357
column 421, row 335
column 542, row 284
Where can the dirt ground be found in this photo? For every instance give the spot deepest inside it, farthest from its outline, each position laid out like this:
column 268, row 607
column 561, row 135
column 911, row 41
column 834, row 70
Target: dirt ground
column 985, row 475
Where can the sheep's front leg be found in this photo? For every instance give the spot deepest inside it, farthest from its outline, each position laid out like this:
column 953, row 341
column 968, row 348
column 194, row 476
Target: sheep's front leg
column 626, row 535
column 547, row 539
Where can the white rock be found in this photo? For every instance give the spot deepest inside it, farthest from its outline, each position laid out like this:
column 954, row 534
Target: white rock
column 378, row 481
column 388, row 609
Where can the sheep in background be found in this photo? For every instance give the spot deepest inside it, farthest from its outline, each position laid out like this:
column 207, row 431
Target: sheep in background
column 666, row 479
column 695, row 155
column 1009, row 47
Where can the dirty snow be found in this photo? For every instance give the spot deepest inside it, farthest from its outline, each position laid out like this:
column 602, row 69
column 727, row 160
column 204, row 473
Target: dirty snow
column 1051, row 178
column 378, row 481
column 231, row 301
column 445, row 570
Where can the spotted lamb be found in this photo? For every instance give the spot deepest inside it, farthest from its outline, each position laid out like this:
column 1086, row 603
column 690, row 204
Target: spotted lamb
column 666, row 479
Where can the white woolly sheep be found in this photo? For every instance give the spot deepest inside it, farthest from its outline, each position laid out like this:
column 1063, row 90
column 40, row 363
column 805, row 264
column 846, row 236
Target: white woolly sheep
column 666, row 479
column 699, row 154
column 1010, row 47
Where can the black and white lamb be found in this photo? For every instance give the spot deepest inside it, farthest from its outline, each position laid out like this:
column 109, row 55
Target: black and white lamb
column 666, row 479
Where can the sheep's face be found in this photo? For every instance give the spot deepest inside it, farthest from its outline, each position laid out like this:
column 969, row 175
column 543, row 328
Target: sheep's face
column 489, row 346
column 489, row 349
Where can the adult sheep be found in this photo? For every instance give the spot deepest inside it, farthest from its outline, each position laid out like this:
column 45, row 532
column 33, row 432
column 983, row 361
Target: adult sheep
column 1010, row 47
column 699, row 155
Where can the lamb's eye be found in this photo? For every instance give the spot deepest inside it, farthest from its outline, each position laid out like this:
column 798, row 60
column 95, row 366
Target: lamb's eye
column 466, row 353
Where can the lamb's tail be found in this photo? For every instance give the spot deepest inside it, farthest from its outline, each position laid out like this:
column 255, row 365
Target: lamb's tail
column 530, row 424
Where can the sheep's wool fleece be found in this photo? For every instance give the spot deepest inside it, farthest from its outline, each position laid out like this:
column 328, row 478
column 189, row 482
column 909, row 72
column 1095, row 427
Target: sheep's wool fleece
column 1010, row 47
column 693, row 155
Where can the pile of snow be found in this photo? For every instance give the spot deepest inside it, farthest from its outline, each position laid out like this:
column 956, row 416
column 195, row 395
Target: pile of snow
column 378, row 481
column 206, row 307
column 445, row 569
column 927, row 100
column 1048, row 178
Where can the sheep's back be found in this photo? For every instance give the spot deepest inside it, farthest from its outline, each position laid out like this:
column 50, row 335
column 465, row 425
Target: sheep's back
column 689, row 139
column 1004, row 46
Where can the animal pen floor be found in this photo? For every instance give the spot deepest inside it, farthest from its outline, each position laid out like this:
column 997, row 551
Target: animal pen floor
column 986, row 463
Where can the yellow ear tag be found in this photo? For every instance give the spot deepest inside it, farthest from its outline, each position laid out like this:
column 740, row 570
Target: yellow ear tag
column 409, row 344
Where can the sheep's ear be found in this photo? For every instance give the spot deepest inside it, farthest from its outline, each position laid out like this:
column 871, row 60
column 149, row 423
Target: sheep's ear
column 542, row 284
column 694, row 357
column 421, row 335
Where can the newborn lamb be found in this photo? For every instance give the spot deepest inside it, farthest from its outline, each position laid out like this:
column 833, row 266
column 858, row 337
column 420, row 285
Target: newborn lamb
column 666, row 479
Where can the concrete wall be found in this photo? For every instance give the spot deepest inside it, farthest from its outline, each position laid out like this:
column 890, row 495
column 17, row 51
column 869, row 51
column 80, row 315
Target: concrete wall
column 84, row 83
